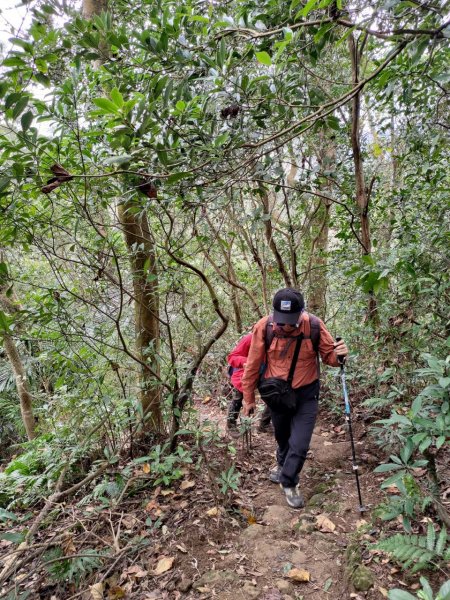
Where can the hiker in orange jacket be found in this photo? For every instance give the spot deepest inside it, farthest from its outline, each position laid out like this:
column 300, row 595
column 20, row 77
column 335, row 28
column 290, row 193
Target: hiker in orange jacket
column 236, row 361
column 294, row 407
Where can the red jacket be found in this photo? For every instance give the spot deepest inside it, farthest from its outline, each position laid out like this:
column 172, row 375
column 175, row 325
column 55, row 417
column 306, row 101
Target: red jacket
column 237, row 359
column 280, row 353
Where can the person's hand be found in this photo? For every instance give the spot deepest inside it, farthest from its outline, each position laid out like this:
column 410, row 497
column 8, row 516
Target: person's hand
column 248, row 408
column 341, row 349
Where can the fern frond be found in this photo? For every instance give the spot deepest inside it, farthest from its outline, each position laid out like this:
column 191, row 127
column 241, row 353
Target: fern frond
column 416, row 552
column 440, row 544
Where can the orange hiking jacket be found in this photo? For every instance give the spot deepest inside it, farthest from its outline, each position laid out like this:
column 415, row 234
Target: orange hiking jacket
column 280, row 353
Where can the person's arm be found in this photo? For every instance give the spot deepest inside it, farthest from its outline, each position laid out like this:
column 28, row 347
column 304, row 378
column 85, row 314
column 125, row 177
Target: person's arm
column 255, row 359
column 329, row 349
column 238, row 356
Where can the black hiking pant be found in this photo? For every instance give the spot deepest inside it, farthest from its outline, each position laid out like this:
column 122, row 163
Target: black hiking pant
column 293, row 432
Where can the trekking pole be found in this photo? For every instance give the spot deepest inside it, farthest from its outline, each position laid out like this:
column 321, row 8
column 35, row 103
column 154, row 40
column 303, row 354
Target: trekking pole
column 348, row 418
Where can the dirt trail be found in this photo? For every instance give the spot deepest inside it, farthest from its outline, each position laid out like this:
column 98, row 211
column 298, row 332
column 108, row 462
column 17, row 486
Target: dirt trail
column 253, row 558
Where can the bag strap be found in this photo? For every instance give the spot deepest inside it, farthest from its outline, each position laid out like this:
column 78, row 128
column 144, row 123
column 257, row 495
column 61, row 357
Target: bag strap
column 269, row 333
column 314, row 332
column 298, row 344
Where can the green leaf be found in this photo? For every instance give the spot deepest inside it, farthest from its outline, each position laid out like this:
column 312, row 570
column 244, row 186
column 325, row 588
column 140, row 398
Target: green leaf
column 14, row 61
column 416, row 406
column 117, row 98
column 440, row 441
column 4, row 514
column 4, row 183
column 397, row 594
column 118, row 160
column 106, row 106
column 14, row 537
column 264, row 58
column 444, row 382
column 11, row 99
column 177, row 176
column 308, row 8
column 327, row 585
column 20, row 106
column 387, row 467
column 444, row 592
column 26, row 120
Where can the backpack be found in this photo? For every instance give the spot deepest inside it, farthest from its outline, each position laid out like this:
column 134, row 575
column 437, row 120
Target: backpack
column 314, row 335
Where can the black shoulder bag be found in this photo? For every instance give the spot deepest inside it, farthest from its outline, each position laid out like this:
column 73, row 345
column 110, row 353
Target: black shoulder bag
column 277, row 393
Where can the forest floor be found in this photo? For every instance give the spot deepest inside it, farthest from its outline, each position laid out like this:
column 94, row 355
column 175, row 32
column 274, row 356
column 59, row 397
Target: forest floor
column 183, row 541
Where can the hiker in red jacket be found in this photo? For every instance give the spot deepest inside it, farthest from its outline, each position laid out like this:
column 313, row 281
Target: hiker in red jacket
column 290, row 382
column 236, row 360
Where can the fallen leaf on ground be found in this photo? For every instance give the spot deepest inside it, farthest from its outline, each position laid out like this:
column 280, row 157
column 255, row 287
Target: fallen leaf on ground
column 116, row 593
column 167, row 492
column 383, row 592
column 136, row 571
column 206, row 399
column 96, row 591
column 360, row 523
column 186, row 485
column 324, row 524
column 146, row 468
column 212, row 512
column 68, row 546
column 203, row 590
column 181, row 549
column 164, row 564
column 298, row 575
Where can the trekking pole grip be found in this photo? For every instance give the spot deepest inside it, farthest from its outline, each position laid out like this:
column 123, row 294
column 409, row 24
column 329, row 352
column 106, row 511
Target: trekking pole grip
column 341, row 359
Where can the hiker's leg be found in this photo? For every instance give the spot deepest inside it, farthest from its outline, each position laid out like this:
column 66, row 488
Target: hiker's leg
column 302, row 425
column 282, row 428
column 234, row 408
column 264, row 421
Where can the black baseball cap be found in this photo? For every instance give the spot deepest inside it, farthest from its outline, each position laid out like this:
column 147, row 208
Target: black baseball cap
column 287, row 306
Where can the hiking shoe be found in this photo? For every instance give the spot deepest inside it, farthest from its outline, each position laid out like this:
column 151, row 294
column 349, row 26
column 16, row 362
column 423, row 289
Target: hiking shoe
column 293, row 496
column 274, row 474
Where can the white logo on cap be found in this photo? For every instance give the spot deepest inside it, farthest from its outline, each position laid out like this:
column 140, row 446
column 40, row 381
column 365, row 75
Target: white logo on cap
column 285, row 305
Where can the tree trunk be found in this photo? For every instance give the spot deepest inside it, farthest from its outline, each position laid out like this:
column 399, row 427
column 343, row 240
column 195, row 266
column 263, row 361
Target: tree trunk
column 318, row 282
column 270, row 240
column 146, row 307
column 145, row 281
column 362, row 194
column 93, row 7
column 23, row 389
column 25, row 398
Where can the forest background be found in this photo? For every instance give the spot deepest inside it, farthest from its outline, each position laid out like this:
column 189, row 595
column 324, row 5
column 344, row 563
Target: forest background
column 165, row 167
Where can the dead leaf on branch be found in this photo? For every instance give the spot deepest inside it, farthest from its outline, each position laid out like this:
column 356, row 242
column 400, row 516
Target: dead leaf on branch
column 61, row 176
column 299, row 575
column 164, row 564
